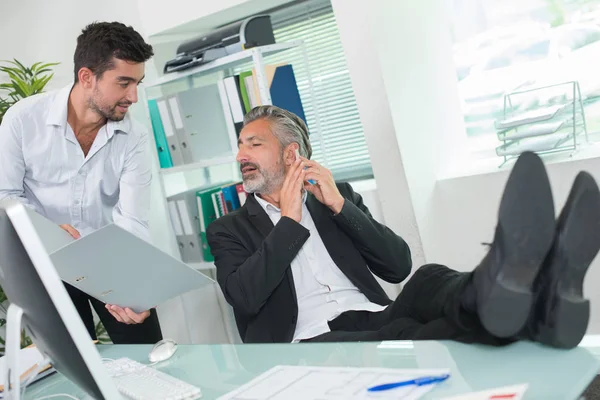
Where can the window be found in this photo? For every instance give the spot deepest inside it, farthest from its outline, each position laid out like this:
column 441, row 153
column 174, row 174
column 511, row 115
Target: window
column 336, row 132
column 502, row 47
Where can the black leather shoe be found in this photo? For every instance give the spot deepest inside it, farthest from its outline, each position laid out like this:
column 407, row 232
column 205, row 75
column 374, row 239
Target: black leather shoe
column 504, row 281
column 561, row 314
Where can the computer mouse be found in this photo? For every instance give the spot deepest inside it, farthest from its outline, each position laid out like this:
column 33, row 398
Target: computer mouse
column 162, row 350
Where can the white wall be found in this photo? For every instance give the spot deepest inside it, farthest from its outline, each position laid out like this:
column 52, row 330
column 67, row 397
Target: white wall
column 47, row 30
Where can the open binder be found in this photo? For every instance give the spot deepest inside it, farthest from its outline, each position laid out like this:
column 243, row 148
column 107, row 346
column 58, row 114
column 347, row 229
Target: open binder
column 117, row 267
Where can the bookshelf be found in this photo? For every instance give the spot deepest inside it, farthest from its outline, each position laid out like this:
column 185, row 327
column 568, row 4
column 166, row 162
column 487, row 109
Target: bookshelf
column 216, row 162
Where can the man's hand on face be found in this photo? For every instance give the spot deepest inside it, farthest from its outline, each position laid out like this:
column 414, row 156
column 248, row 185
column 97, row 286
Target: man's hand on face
column 290, row 200
column 72, row 231
column 324, row 189
column 126, row 315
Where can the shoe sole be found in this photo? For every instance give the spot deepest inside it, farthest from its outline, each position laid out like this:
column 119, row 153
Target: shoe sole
column 580, row 243
column 526, row 222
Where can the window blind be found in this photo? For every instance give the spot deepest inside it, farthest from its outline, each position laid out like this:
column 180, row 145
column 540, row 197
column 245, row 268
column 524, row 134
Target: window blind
column 336, row 132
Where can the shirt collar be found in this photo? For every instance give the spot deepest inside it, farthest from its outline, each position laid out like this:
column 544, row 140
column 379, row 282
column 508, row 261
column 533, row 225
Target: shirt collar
column 58, row 113
column 270, row 208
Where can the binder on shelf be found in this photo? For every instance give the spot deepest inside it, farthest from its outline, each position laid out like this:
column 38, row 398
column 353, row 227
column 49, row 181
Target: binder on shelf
column 162, row 147
column 284, row 90
column 231, row 198
column 242, row 195
column 282, row 85
column 172, row 141
column 181, row 134
column 200, row 124
column 207, row 214
column 219, row 204
column 236, row 103
column 244, row 90
column 185, row 218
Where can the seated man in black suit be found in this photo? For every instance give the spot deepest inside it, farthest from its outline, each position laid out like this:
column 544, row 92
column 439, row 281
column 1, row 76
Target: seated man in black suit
column 296, row 261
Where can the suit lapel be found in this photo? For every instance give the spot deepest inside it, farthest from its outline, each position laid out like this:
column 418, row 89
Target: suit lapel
column 261, row 221
column 321, row 216
column 258, row 216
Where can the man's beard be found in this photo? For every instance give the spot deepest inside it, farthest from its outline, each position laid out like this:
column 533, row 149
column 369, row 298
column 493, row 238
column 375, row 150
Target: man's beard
column 105, row 111
column 264, row 181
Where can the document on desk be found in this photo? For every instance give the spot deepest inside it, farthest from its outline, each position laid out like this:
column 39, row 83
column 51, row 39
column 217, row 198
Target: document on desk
column 331, row 383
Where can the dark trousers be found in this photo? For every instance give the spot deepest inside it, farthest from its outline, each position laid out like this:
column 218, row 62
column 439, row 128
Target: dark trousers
column 430, row 307
column 147, row 332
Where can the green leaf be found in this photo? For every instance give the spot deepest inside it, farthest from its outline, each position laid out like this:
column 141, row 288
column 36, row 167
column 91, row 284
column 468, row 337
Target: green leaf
column 19, row 86
column 23, row 81
column 101, row 334
column 34, row 66
column 25, row 340
column 21, row 66
column 14, row 71
column 45, row 67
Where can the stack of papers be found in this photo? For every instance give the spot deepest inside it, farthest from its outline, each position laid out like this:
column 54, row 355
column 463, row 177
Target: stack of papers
column 332, row 383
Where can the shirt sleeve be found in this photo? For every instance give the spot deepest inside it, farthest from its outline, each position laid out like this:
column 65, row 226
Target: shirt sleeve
column 12, row 163
column 133, row 208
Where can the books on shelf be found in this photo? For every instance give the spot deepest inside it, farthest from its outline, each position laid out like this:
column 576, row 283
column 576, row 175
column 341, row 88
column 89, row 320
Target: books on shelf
column 282, row 86
column 191, row 126
column 205, row 122
column 192, row 211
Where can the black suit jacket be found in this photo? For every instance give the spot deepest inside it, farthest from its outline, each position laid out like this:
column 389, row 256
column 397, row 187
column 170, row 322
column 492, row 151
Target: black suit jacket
column 253, row 260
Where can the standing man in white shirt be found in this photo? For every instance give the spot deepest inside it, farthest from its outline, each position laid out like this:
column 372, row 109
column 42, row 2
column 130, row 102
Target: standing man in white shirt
column 76, row 157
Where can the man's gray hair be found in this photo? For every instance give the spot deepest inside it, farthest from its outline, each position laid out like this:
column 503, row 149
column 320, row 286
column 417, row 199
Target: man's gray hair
column 287, row 126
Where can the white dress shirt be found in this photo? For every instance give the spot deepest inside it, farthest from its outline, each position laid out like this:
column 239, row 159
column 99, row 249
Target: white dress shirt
column 322, row 289
column 43, row 166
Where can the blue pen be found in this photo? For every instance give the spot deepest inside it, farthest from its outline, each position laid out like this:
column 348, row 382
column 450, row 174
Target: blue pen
column 425, row 380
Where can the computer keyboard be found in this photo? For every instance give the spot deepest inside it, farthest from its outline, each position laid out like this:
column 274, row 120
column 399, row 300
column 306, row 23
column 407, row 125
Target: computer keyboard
column 141, row 382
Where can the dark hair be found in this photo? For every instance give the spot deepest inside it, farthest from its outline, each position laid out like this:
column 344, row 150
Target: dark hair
column 101, row 42
column 288, row 127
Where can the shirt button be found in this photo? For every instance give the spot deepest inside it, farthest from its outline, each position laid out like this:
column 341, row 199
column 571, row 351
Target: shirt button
column 76, row 202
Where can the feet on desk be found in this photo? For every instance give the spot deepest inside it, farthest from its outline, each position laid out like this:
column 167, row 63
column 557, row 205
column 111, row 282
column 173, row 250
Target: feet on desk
column 561, row 313
column 504, row 281
column 530, row 284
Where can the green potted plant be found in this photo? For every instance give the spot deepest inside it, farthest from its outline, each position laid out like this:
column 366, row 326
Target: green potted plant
column 23, row 82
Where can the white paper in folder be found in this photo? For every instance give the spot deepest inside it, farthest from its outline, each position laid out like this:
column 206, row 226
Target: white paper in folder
column 331, row 383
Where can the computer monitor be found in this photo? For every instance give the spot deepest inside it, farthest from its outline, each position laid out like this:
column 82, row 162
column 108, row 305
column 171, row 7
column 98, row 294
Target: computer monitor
column 31, row 282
